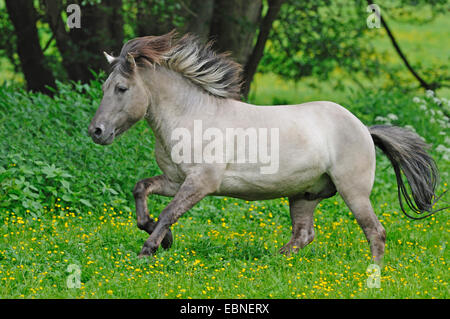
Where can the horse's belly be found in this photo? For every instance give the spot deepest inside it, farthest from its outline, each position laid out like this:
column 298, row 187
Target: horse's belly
column 251, row 186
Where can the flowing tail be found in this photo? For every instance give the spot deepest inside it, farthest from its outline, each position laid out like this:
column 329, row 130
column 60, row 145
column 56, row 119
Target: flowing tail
column 407, row 152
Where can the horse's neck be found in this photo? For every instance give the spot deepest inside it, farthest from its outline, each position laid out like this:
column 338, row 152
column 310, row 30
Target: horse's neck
column 174, row 102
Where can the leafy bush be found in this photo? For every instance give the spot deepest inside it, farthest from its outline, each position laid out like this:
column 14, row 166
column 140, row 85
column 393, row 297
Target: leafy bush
column 47, row 155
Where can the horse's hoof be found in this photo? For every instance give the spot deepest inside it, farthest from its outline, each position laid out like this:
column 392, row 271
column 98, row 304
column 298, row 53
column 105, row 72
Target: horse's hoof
column 288, row 249
column 284, row 251
column 168, row 240
column 378, row 261
column 147, row 252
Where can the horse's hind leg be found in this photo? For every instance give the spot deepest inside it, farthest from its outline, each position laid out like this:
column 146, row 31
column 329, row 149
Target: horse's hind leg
column 155, row 185
column 302, row 216
column 357, row 199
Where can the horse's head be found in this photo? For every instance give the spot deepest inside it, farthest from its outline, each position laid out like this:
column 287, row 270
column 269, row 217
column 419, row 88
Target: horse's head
column 125, row 101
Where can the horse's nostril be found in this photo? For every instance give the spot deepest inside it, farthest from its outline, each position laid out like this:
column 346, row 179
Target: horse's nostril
column 98, row 131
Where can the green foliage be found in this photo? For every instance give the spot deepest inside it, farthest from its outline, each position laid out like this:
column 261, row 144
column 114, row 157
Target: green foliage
column 153, row 17
column 8, row 46
column 46, row 176
column 415, row 11
column 315, row 37
column 325, row 39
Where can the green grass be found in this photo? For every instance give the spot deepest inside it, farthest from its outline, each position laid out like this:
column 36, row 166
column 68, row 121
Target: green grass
column 67, row 201
column 423, row 43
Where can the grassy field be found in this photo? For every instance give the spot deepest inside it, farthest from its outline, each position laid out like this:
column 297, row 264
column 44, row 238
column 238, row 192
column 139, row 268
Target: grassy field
column 66, row 202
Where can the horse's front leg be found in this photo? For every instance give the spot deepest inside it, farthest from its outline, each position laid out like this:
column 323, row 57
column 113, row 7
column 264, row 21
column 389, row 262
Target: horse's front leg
column 190, row 193
column 159, row 185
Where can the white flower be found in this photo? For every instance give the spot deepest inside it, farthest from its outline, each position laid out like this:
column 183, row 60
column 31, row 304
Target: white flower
column 442, row 123
column 416, row 99
column 437, row 101
column 382, row 119
column 429, row 93
column 442, row 149
column 392, row 117
column 423, row 107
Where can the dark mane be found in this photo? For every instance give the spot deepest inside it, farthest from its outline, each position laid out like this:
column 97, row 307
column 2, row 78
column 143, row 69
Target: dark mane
column 198, row 62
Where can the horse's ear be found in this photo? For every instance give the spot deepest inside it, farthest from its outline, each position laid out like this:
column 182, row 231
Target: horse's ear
column 130, row 60
column 109, row 57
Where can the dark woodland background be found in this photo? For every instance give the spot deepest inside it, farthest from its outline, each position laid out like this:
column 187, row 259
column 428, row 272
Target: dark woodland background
column 291, row 38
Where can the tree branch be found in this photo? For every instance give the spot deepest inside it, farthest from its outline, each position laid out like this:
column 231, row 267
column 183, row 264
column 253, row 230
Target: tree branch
column 423, row 83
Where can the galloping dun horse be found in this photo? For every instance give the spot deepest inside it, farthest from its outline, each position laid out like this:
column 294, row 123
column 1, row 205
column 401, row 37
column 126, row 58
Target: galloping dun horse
column 320, row 147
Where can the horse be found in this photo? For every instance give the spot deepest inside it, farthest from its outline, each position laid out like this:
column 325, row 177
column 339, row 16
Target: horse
column 176, row 83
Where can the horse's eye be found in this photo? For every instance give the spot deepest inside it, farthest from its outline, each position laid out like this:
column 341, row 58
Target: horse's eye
column 121, row 89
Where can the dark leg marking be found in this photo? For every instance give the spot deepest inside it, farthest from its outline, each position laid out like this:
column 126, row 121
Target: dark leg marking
column 302, row 216
column 155, row 185
column 188, row 195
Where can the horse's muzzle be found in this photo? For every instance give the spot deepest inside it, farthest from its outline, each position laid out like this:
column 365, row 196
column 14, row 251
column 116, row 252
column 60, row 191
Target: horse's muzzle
column 100, row 135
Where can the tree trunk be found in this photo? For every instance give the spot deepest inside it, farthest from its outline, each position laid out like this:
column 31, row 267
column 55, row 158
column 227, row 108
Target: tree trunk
column 115, row 22
column 71, row 64
column 99, row 32
column 199, row 17
column 258, row 50
column 193, row 16
column 23, row 16
column 234, row 25
column 81, row 49
column 150, row 22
